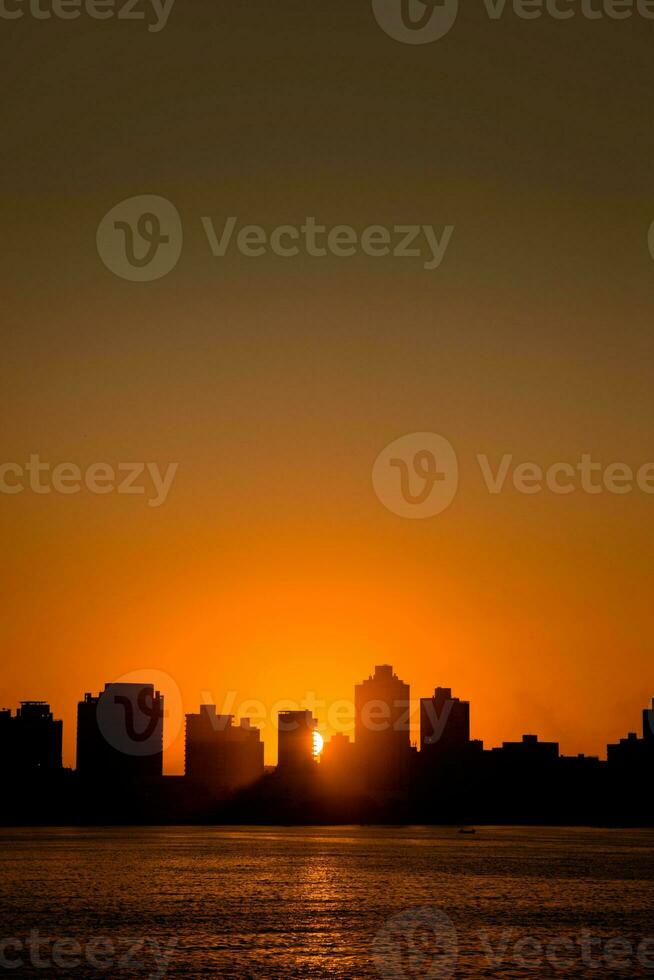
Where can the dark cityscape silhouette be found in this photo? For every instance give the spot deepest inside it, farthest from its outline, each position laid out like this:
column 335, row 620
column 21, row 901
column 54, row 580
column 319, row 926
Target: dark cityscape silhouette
column 380, row 777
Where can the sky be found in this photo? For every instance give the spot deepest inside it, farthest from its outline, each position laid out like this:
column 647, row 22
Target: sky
column 273, row 570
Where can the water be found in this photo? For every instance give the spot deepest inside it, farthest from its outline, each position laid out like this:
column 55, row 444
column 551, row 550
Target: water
column 327, row 902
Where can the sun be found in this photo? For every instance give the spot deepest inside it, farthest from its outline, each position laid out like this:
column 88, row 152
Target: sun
column 317, row 743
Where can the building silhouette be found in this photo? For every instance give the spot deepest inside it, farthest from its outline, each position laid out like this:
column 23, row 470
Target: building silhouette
column 449, row 768
column 527, row 753
column 444, row 725
column 30, row 740
column 338, row 752
column 220, row 757
column 295, row 741
column 338, row 764
column 382, row 708
column 120, row 734
column 629, row 753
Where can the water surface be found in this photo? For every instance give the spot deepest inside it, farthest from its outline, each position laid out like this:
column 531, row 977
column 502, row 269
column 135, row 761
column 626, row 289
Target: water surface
column 329, row 902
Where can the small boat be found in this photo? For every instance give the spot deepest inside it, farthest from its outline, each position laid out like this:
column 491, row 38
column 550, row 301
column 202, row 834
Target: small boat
column 467, row 830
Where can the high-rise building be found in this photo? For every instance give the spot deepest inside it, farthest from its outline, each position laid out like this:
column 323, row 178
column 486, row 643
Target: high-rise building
column 120, row 734
column 444, row 726
column 338, row 751
column 30, row 741
column 338, row 764
column 221, row 757
column 296, row 744
column 382, row 708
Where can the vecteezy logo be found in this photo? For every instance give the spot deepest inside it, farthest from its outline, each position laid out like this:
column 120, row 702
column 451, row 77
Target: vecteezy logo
column 416, row 21
column 417, row 475
column 420, row 942
column 131, row 710
column 140, row 239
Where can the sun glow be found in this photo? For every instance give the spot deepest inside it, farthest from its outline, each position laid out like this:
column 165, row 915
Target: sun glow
column 317, row 743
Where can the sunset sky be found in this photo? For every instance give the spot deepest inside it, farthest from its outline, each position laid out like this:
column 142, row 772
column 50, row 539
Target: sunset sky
column 273, row 571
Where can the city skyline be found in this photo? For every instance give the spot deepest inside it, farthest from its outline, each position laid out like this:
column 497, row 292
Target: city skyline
column 378, row 776
column 445, row 716
column 225, row 633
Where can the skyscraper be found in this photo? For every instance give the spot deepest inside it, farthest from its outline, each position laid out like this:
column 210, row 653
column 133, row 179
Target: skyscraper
column 444, row 726
column 338, row 765
column 382, row 708
column 30, row 741
column 221, row 757
column 295, row 746
column 120, row 734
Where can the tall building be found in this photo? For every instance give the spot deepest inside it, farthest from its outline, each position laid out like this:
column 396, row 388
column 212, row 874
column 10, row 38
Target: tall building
column 221, row 757
column 444, row 726
column 382, row 708
column 338, row 764
column 295, row 745
column 30, row 741
column 338, row 752
column 120, row 734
